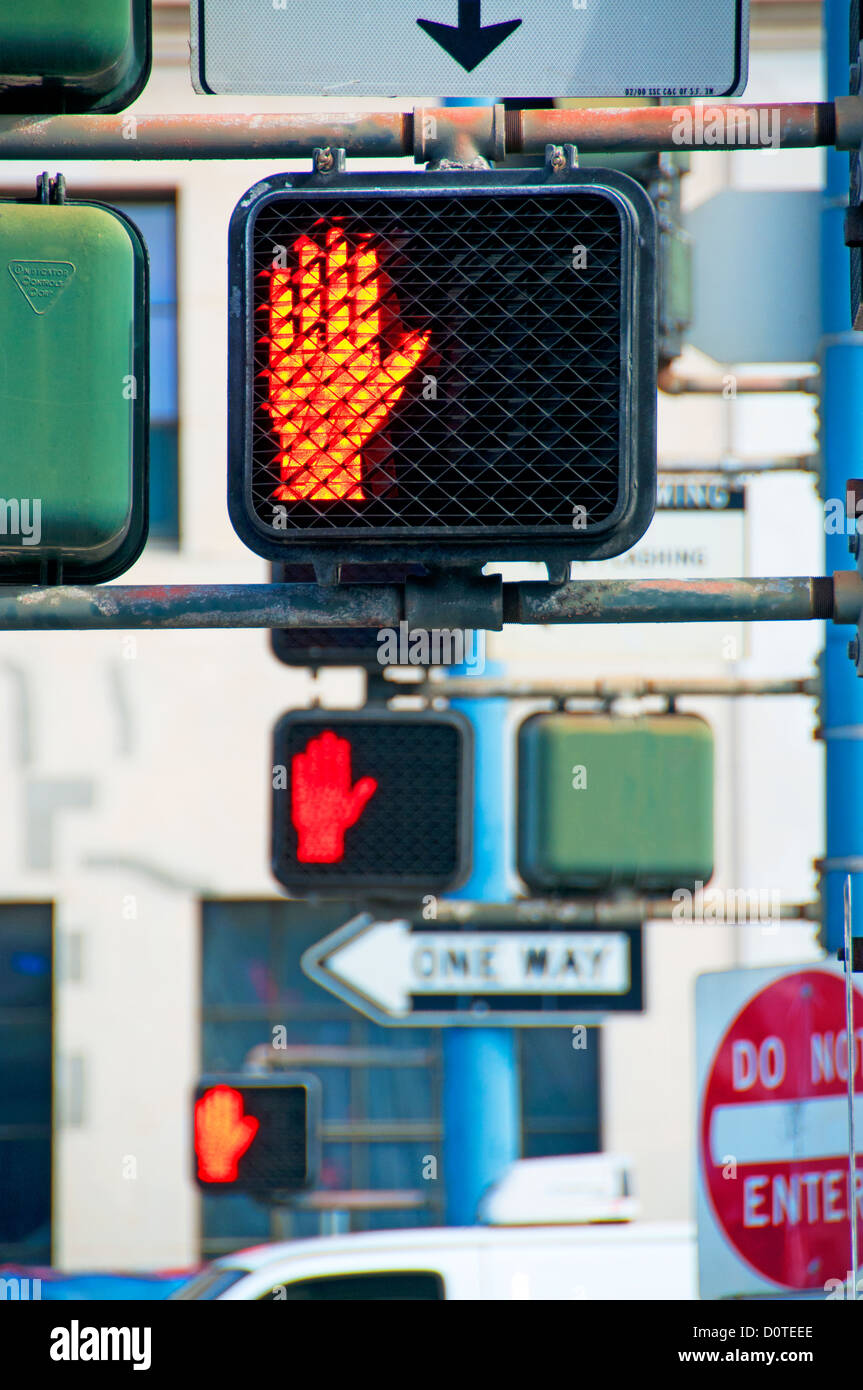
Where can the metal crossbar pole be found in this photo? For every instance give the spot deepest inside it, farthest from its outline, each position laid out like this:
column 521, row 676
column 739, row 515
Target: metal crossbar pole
column 666, row 601
column 633, row 688
column 112, row 606
column 265, row 1057
column 94, row 608
column 740, row 468
column 524, row 912
column 431, row 133
column 379, row 1199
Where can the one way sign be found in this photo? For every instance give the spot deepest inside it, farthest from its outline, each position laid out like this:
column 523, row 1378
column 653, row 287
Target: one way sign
column 470, row 48
column 409, row 972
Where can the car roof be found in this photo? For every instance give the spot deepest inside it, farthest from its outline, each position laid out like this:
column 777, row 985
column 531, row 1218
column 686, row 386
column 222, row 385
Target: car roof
column 448, row 1237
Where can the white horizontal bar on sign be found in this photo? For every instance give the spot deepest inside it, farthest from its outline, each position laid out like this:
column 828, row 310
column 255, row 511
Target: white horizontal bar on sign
column 776, row 1131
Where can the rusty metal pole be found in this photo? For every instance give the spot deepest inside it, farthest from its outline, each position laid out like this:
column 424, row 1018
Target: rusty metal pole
column 429, row 133
column 119, row 606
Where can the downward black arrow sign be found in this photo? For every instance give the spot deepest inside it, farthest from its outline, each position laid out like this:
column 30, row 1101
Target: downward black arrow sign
column 468, row 42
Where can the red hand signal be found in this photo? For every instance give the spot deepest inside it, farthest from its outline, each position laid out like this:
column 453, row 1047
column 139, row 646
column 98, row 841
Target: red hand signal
column 323, row 802
column 331, row 386
column 222, row 1133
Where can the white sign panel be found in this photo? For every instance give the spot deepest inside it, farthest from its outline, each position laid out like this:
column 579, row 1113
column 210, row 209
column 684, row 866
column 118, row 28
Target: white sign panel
column 470, row 48
column 396, row 972
column 698, row 532
column 683, row 541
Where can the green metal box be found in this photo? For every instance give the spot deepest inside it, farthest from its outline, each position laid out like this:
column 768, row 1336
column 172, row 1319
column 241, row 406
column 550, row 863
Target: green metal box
column 73, row 54
column 73, row 392
column 606, row 802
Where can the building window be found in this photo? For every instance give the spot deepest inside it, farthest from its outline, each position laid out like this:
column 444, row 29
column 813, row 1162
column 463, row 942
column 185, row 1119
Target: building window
column 25, row 1082
column 381, row 1086
column 157, row 223
column 559, row 1092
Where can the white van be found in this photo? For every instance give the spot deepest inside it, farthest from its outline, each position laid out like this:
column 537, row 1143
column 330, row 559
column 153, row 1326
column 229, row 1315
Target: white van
column 584, row 1247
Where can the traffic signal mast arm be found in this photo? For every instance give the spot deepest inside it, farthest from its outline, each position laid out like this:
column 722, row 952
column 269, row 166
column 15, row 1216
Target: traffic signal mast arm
column 90, row 608
column 430, row 133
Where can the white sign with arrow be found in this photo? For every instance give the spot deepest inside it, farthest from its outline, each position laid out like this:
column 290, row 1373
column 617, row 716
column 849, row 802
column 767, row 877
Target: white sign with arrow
column 470, row 48
column 402, row 972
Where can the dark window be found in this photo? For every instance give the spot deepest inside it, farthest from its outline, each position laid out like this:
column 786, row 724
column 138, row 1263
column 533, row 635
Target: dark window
column 381, row 1103
column 559, row 1092
column 157, row 222
column 381, row 1086
column 25, row 1082
column 394, row 1286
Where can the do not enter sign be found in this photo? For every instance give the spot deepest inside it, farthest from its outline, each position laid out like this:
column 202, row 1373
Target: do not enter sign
column 773, row 1131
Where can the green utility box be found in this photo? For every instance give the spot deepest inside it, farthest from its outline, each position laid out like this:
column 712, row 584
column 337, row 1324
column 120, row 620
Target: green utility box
column 607, row 802
column 73, row 54
column 73, row 392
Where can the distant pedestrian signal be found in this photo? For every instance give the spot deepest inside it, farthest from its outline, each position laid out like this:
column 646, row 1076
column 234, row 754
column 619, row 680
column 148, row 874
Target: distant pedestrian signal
column 371, row 799
column 223, row 1133
column 257, row 1134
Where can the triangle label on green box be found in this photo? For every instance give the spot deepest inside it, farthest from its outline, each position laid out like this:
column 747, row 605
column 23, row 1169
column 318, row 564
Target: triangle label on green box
column 41, row 282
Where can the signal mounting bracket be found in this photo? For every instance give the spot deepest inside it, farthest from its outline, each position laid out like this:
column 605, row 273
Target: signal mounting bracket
column 466, row 599
column 444, row 166
column 561, row 159
column 329, row 160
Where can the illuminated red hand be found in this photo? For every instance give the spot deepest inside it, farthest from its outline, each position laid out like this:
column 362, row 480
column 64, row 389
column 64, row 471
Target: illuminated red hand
column 330, row 388
column 222, row 1133
column 323, row 802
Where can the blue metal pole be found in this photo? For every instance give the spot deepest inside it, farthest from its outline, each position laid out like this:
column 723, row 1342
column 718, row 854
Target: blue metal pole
column 842, row 458
column 481, row 1093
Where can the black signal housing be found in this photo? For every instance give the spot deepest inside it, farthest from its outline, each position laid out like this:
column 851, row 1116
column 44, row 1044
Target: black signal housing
column 265, row 1136
column 375, row 800
column 526, row 426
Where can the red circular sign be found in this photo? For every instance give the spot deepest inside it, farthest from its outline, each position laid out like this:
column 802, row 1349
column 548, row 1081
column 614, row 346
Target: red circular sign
column 774, row 1130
